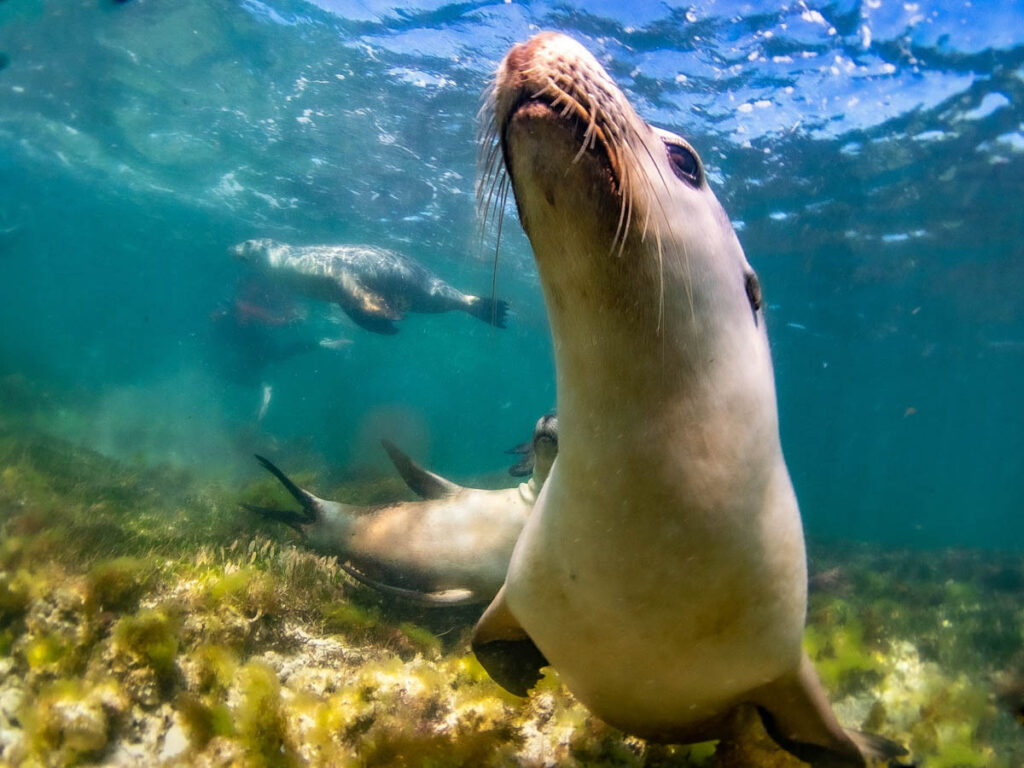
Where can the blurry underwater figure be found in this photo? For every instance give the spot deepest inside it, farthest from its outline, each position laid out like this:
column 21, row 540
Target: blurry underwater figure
column 375, row 287
column 260, row 327
column 662, row 571
column 1010, row 695
column 450, row 549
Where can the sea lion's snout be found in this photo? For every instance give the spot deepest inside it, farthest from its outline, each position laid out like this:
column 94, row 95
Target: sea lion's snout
column 546, row 430
column 256, row 251
column 243, row 251
column 551, row 83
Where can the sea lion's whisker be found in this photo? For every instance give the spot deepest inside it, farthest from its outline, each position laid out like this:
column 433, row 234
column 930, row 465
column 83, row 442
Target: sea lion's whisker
column 502, row 200
column 661, row 285
column 629, row 218
column 490, row 178
column 588, row 135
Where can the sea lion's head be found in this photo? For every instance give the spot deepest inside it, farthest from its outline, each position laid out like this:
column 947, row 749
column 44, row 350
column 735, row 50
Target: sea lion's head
column 620, row 216
column 261, row 252
column 545, row 447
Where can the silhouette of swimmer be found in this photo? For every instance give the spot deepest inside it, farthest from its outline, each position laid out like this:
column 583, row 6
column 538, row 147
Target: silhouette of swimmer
column 258, row 328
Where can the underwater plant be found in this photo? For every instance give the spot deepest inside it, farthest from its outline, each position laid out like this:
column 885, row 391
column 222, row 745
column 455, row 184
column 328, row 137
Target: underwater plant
column 204, row 647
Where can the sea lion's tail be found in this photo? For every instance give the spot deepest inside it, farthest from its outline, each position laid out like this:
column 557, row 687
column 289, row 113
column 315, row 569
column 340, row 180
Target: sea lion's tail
column 491, row 311
column 310, row 503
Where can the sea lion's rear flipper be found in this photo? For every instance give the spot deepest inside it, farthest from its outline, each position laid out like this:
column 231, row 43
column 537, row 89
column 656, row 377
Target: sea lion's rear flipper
column 422, row 482
column 491, row 311
column 289, row 517
column 310, row 504
column 505, row 650
column 798, row 717
column 369, row 309
column 448, row 598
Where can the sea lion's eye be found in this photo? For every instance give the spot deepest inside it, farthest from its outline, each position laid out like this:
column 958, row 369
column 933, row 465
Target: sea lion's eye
column 684, row 163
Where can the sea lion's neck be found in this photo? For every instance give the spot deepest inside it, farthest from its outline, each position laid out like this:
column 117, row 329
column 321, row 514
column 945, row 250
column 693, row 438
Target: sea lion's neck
column 701, row 383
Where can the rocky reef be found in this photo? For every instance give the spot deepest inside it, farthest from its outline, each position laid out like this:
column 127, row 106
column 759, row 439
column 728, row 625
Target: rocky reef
column 145, row 620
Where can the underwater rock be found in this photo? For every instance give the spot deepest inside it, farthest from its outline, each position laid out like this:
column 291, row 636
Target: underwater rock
column 82, row 725
column 12, row 697
column 175, row 742
column 70, row 719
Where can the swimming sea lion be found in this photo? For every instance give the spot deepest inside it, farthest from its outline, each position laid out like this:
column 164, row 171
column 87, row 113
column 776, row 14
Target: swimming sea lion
column 662, row 571
column 452, row 548
column 374, row 286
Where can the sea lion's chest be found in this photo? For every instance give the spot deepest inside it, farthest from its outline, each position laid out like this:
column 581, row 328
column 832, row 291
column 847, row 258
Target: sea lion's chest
column 652, row 604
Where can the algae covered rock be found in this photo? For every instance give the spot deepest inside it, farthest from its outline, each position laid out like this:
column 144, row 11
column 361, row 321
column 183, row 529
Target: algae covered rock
column 150, row 638
column 118, row 583
column 70, row 719
column 138, row 628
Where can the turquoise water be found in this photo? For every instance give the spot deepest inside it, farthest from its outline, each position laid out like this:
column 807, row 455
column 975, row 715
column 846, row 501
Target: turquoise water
column 870, row 154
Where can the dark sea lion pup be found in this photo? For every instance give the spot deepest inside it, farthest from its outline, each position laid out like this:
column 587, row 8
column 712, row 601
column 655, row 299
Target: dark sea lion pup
column 374, row 286
column 662, row 571
column 452, row 548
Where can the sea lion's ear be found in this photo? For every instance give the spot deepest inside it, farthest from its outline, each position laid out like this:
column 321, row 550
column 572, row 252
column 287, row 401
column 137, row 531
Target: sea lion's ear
column 505, row 650
column 422, row 482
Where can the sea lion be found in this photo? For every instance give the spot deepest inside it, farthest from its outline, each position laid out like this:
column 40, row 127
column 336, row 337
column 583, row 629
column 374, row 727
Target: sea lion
column 373, row 286
column 662, row 571
column 525, row 451
column 452, row 548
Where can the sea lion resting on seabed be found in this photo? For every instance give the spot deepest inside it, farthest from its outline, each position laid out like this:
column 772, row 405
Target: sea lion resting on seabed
column 451, row 549
column 374, row 286
column 662, row 571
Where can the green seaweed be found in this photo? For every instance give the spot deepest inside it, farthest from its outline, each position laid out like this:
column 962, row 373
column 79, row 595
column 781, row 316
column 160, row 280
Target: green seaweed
column 259, row 647
column 151, row 638
column 214, row 668
column 14, row 596
column 259, row 719
column 248, row 590
column 840, row 655
column 422, row 640
column 44, row 651
column 347, row 617
column 118, row 584
column 70, row 720
column 204, row 720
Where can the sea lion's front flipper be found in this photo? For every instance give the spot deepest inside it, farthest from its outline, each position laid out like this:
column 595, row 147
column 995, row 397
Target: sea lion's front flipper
column 421, row 481
column 798, row 717
column 447, row 598
column 505, row 650
column 525, row 465
column 369, row 309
